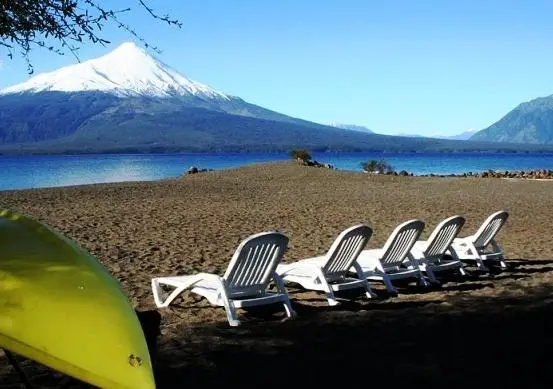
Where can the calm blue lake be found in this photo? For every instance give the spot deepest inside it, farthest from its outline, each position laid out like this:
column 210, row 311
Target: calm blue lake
column 23, row 172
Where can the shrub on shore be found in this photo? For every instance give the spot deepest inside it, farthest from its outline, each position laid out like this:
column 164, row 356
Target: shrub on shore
column 303, row 157
column 300, row 155
column 374, row 166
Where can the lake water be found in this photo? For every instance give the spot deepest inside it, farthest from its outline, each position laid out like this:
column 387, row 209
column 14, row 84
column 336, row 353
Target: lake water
column 23, row 172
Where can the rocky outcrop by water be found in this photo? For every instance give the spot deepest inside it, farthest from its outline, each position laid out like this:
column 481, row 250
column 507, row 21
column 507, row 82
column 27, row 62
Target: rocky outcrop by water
column 543, row 174
column 195, row 170
column 315, row 164
column 532, row 174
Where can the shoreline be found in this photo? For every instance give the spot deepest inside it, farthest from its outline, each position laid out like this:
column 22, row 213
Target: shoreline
column 141, row 230
column 496, row 173
column 546, row 150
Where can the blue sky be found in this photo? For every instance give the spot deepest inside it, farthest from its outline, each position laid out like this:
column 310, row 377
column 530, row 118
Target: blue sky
column 417, row 67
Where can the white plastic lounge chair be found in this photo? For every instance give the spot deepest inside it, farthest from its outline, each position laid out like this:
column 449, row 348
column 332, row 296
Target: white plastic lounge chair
column 476, row 247
column 435, row 254
column 245, row 282
column 328, row 273
column 394, row 260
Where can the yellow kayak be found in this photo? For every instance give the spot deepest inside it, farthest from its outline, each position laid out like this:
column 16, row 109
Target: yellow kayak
column 59, row 306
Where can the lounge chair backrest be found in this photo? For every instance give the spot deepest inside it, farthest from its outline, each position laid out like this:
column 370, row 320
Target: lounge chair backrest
column 400, row 242
column 345, row 249
column 443, row 235
column 253, row 263
column 489, row 229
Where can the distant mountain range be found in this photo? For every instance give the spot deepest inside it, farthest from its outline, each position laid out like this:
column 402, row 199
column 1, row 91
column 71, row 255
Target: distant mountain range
column 462, row 136
column 352, row 127
column 530, row 122
column 129, row 101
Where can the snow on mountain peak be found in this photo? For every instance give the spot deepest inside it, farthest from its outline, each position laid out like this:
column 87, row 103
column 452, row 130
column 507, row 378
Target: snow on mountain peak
column 349, row 127
column 128, row 70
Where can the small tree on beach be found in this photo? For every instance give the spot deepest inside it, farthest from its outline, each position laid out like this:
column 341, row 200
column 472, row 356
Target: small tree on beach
column 369, row 166
column 374, row 166
column 301, row 155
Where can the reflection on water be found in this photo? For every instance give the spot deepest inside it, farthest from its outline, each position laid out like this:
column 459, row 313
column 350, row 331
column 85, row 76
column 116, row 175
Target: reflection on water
column 98, row 171
column 25, row 172
column 62, row 170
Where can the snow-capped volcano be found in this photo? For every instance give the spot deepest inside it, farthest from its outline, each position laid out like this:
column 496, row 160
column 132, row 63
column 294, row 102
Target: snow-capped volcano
column 128, row 70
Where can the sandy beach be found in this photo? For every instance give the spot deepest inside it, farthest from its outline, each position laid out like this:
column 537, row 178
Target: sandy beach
column 482, row 330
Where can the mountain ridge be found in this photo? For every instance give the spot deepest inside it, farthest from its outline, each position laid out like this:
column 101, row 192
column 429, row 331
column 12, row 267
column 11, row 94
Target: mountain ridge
column 97, row 106
column 145, row 77
column 529, row 122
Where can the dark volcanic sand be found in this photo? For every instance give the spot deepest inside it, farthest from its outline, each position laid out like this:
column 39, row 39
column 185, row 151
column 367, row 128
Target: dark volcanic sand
column 478, row 331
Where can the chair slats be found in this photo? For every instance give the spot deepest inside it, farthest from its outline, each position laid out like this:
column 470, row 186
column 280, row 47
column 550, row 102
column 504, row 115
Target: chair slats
column 254, row 262
column 489, row 229
column 400, row 242
column 345, row 249
column 443, row 235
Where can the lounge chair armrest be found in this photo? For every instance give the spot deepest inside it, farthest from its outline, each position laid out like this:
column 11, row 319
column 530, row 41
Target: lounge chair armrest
column 495, row 246
column 411, row 260
column 358, row 270
column 278, row 282
column 451, row 252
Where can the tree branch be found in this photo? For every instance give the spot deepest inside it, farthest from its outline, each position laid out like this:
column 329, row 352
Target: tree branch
column 164, row 18
column 28, row 23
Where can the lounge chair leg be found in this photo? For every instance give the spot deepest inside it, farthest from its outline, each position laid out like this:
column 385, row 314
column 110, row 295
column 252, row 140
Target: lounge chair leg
column 423, row 282
column 391, row 289
column 432, row 277
column 326, row 288
column 473, row 252
column 230, row 309
column 331, row 299
column 231, row 314
column 497, row 249
column 288, row 309
column 481, row 265
column 368, row 291
column 156, row 289
column 280, row 287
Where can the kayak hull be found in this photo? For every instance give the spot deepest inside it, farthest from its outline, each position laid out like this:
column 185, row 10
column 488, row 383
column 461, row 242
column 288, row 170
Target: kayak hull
column 59, row 306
